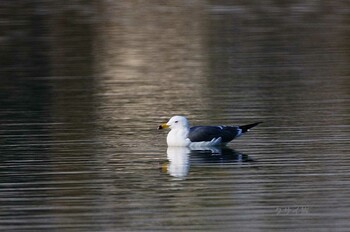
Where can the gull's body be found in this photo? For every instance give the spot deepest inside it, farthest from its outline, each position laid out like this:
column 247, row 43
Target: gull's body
column 181, row 134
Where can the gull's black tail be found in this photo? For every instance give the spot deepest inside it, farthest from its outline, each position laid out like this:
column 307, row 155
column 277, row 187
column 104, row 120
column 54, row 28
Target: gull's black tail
column 246, row 128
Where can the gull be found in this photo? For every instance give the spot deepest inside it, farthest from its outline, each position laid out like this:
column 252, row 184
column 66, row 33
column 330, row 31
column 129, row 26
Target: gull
column 182, row 135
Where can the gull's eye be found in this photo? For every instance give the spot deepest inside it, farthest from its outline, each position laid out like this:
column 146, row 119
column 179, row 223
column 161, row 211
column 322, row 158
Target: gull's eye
column 176, row 121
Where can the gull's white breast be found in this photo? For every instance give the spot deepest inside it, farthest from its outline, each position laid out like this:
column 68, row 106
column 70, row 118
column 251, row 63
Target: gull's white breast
column 178, row 137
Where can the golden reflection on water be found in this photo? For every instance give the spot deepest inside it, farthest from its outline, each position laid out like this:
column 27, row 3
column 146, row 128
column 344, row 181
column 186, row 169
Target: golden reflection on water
column 152, row 63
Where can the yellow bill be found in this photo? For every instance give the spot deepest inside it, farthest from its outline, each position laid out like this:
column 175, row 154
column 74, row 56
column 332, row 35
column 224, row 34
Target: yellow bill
column 163, row 126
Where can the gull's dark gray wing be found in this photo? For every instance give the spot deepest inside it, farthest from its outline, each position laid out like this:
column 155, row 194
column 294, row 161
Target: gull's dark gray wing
column 207, row 133
column 227, row 133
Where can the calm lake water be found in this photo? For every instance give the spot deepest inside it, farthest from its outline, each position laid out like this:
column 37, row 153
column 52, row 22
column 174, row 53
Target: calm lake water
column 84, row 86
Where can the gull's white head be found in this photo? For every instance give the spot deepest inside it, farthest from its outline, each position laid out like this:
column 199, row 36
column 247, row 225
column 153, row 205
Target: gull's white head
column 176, row 122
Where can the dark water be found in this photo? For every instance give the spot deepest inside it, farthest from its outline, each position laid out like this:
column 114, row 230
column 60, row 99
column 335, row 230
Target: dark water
column 84, row 86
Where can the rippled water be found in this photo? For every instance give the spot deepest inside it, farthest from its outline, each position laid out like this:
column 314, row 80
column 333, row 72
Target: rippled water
column 83, row 88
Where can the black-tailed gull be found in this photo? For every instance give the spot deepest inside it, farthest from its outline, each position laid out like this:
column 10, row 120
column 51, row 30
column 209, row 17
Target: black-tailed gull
column 181, row 134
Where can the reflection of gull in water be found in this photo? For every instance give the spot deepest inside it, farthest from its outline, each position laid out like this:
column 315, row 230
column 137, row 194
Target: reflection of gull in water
column 223, row 155
column 180, row 158
column 179, row 162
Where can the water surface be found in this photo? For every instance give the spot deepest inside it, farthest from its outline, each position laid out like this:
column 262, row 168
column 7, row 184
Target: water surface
column 83, row 88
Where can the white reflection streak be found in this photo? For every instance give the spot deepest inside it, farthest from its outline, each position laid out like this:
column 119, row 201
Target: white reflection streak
column 179, row 162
